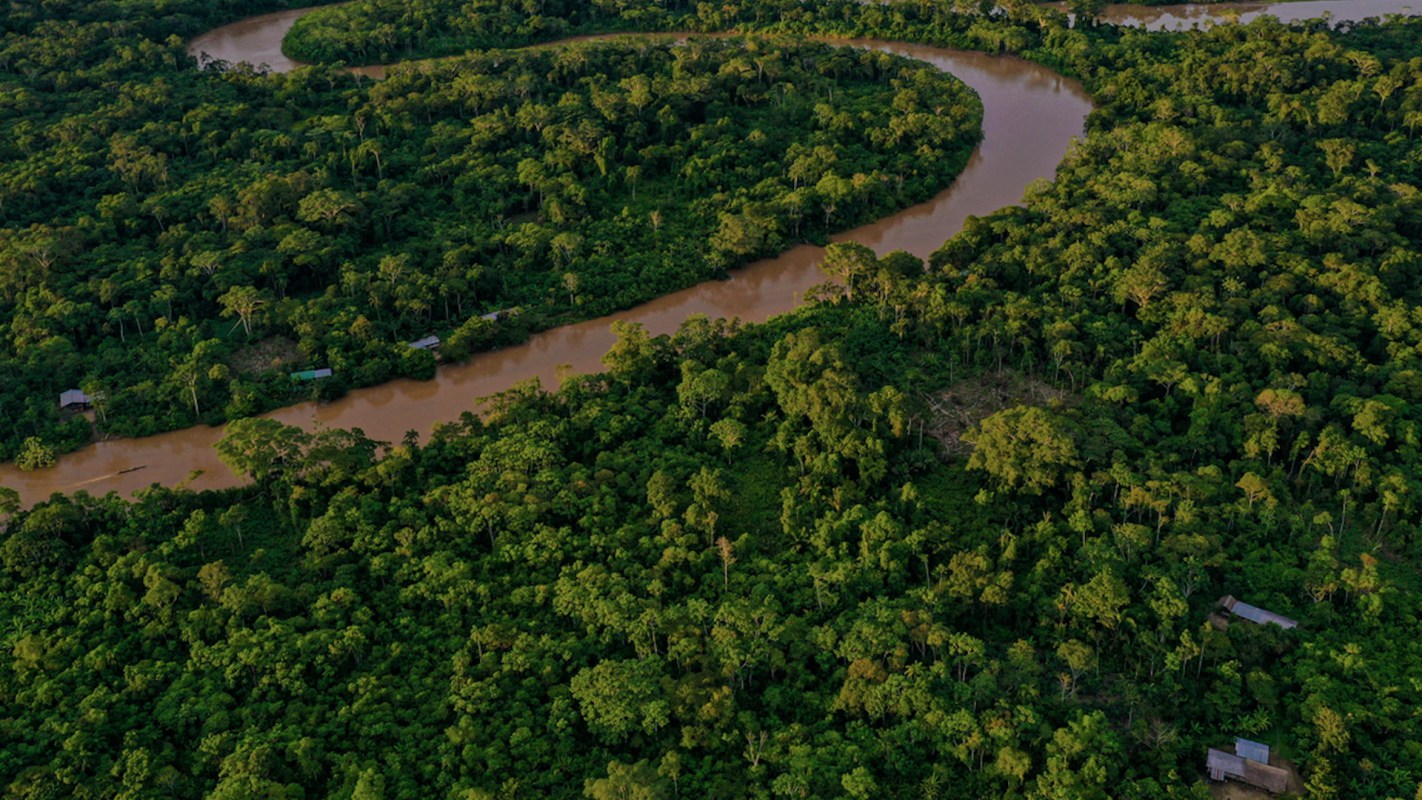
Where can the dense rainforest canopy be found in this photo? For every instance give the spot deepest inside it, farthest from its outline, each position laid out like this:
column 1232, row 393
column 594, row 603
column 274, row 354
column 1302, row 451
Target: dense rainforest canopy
column 177, row 242
column 955, row 530
column 380, row 31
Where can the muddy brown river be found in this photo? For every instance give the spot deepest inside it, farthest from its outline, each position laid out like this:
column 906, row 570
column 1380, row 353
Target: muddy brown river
column 1031, row 115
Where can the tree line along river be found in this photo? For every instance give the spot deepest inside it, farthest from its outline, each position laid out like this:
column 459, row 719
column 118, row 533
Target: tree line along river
column 1031, row 114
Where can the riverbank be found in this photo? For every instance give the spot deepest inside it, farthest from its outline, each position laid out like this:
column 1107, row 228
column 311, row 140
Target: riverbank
column 1031, row 116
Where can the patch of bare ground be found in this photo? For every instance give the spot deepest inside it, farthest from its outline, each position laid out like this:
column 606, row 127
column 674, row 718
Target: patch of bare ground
column 1296, row 784
column 274, row 352
column 1229, row 790
column 960, row 406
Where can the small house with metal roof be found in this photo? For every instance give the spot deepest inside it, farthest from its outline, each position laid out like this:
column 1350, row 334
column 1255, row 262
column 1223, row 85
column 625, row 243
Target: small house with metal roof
column 495, row 316
column 1256, row 614
column 1251, row 750
column 73, row 399
column 1249, row 764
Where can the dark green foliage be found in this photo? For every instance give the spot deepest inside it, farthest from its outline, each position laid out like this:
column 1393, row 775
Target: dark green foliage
column 159, row 226
column 735, row 565
column 584, row 595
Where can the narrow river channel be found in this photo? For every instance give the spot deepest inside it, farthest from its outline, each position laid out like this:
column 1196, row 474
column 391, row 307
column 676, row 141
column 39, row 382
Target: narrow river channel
column 1031, row 115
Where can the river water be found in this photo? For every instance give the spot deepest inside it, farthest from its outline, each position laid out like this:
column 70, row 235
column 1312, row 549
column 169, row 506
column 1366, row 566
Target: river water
column 1031, row 115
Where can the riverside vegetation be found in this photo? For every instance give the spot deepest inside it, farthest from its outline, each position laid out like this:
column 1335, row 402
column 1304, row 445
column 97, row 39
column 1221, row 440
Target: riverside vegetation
column 169, row 234
column 739, row 564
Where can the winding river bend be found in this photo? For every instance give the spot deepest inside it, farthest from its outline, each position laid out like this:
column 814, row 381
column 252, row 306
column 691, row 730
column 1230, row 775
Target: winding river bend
column 1031, row 115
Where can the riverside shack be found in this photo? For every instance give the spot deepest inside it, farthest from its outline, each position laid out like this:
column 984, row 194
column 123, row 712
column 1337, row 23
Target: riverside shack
column 1248, row 764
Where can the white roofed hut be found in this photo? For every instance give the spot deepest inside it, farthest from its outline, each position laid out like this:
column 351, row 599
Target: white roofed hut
column 1256, row 614
column 427, row 343
column 73, row 400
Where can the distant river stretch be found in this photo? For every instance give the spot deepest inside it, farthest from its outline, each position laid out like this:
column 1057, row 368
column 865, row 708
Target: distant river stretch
column 1030, row 116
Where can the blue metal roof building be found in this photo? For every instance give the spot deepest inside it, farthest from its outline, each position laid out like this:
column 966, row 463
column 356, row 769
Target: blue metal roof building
column 1256, row 614
column 1251, row 750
